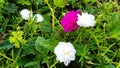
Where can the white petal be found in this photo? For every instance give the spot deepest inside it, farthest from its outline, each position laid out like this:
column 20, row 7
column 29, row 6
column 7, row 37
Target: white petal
column 65, row 52
column 39, row 17
column 26, row 14
column 86, row 20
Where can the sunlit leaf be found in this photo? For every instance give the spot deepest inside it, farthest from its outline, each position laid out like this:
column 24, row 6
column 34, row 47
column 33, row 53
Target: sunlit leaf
column 59, row 3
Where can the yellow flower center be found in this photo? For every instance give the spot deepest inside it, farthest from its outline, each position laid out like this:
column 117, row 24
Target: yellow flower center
column 66, row 53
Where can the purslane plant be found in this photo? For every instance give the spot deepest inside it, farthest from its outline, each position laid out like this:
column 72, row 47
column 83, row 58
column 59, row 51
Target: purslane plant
column 86, row 47
column 65, row 52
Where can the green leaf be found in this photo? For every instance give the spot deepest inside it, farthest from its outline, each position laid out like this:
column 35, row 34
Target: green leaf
column 42, row 44
column 46, row 1
column 81, row 50
column 52, row 43
column 46, row 26
column 1, row 3
column 6, row 45
column 24, row 2
column 17, row 38
column 39, row 45
column 31, row 63
column 22, row 61
column 4, row 26
column 114, row 22
column 12, row 8
column 12, row 39
column 59, row 3
column 1, row 29
column 44, row 9
column 110, row 66
column 27, row 3
column 118, row 66
column 113, row 26
column 17, row 44
column 29, row 49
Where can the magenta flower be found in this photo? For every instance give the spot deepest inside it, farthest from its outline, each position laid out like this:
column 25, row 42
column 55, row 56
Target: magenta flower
column 69, row 21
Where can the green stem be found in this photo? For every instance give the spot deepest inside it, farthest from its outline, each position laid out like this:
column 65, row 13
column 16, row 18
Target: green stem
column 108, row 49
column 118, row 66
column 78, row 36
column 52, row 12
column 12, row 53
column 6, row 57
column 53, row 64
column 105, row 34
column 97, row 42
column 18, row 54
column 114, row 55
column 13, row 64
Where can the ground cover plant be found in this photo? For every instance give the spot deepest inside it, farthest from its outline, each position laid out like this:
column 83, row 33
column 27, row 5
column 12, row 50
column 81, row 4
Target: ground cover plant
column 59, row 34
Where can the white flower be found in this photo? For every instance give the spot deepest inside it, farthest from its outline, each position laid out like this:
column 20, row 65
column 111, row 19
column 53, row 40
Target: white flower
column 39, row 17
column 65, row 52
column 26, row 14
column 86, row 20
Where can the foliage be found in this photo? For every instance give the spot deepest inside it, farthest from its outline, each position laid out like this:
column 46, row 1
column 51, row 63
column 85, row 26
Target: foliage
column 30, row 44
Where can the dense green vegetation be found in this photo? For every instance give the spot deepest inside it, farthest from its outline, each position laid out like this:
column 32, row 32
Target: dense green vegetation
column 28, row 44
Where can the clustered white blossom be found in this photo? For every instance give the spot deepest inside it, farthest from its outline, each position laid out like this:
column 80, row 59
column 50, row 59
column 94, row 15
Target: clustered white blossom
column 65, row 52
column 26, row 14
column 86, row 20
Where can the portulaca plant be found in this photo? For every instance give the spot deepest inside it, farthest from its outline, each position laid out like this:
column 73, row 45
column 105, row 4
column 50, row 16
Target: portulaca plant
column 59, row 34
